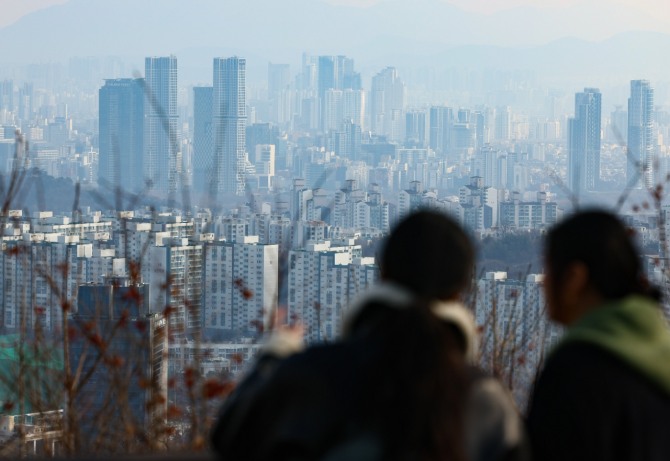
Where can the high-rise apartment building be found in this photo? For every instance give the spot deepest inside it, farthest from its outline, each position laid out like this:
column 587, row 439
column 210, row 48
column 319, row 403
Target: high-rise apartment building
column 26, row 101
column 332, row 110
column 230, row 119
column 279, row 81
column 351, row 147
column 537, row 214
column 641, row 146
column 387, row 100
column 517, row 309
column 162, row 150
column 584, row 142
column 41, row 275
column 353, row 106
column 130, row 370
column 334, row 73
column 415, row 128
column 440, row 124
column 308, row 78
column 478, row 205
column 260, row 133
column 486, row 164
column 203, row 137
column 503, row 120
column 173, row 270
column 7, row 95
column 121, row 124
column 323, row 281
column 241, row 283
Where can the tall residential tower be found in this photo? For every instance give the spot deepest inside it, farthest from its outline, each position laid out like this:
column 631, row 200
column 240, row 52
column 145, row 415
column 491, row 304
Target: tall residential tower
column 387, row 100
column 121, row 118
column 641, row 134
column 203, row 137
column 230, row 119
column 584, row 142
column 162, row 153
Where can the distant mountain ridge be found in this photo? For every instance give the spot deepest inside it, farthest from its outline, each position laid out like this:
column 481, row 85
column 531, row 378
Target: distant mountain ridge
column 394, row 32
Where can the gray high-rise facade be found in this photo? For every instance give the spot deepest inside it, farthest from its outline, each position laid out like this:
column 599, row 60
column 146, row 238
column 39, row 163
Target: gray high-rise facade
column 335, row 73
column 162, row 151
column 415, row 128
column 279, row 82
column 121, row 128
column 584, row 142
column 441, row 120
column 641, row 144
column 387, row 100
column 230, row 120
column 7, row 95
column 203, row 137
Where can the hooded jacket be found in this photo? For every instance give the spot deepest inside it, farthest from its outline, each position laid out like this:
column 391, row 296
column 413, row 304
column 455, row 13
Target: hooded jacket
column 604, row 393
column 298, row 405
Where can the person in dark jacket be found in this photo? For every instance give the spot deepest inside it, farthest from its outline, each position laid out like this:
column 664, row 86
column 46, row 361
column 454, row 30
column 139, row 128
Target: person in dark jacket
column 604, row 393
column 398, row 384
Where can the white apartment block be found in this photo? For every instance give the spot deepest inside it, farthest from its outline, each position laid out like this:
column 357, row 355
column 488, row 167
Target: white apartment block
column 323, row 281
column 240, row 284
column 41, row 275
column 173, row 270
column 516, row 331
column 538, row 214
column 88, row 227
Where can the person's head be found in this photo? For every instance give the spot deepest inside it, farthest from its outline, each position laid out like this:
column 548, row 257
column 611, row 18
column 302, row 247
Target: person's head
column 590, row 259
column 429, row 254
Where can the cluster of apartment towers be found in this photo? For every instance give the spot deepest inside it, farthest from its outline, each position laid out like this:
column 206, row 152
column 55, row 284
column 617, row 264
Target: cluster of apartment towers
column 635, row 129
column 140, row 143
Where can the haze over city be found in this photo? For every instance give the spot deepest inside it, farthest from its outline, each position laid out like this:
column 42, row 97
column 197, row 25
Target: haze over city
column 182, row 171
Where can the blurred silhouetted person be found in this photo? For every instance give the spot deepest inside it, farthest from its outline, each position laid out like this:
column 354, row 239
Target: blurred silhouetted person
column 604, row 393
column 396, row 386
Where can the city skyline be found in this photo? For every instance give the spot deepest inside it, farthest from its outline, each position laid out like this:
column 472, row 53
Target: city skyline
column 178, row 179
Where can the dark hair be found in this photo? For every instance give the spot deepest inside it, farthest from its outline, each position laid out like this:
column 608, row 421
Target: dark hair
column 429, row 254
column 600, row 241
column 417, row 386
column 418, row 381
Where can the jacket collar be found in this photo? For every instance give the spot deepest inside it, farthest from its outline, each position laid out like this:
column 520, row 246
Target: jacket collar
column 396, row 297
column 632, row 329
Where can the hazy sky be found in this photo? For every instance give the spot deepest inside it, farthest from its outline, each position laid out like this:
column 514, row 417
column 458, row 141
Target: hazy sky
column 658, row 7
column 12, row 10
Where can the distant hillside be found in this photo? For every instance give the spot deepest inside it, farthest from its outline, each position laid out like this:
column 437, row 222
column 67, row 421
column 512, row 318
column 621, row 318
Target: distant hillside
column 63, row 196
column 517, row 254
